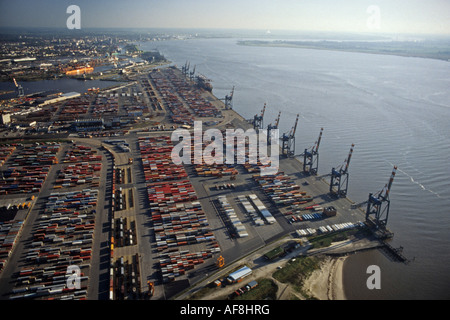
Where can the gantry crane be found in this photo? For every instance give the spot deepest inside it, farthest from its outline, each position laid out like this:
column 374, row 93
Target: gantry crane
column 185, row 69
column 311, row 157
column 20, row 91
column 258, row 120
column 272, row 127
column 192, row 74
column 379, row 203
column 339, row 178
column 288, row 141
column 229, row 100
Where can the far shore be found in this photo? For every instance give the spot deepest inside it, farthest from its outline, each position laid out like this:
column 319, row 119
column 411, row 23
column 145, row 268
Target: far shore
column 439, row 52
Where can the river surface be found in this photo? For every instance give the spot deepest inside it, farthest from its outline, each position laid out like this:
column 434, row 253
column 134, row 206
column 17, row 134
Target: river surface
column 396, row 110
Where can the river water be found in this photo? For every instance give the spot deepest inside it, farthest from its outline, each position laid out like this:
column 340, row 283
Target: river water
column 396, row 110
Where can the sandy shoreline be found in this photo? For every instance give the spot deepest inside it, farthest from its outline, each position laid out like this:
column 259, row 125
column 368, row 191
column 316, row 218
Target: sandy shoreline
column 326, row 283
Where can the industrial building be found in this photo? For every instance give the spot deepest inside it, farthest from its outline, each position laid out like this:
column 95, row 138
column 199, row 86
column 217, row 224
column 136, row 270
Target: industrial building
column 62, row 97
column 88, row 125
column 6, row 118
column 240, row 274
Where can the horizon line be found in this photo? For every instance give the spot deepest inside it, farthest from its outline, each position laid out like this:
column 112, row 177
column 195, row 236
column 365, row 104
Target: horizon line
column 265, row 31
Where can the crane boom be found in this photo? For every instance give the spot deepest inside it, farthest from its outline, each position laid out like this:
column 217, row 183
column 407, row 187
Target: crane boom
column 294, row 128
column 231, row 93
column 20, row 91
column 277, row 122
column 263, row 110
column 347, row 162
column 388, row 186
column 316, row 148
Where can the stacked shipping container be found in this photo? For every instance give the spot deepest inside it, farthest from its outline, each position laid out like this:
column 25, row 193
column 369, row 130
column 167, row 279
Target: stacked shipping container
column 177, row 217
column 81, row 171
column 191, row 95
column 5, row 152
column 232, row 218
column 250, row 210
column 282, row 190
column 63, row 238
column 28, row 168
column 179, row 113
column 9, row 232
column 266, row 215
column 157, row 162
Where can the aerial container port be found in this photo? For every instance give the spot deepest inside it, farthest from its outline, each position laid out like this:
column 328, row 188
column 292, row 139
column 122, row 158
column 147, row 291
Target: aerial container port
column 194, row 218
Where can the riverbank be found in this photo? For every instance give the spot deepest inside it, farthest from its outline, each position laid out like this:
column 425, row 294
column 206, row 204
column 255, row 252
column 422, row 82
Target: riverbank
column 421, row 49
column 326, row 283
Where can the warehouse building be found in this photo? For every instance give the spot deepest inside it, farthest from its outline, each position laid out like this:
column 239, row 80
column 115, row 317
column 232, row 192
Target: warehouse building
column 84, row 125
column 240, row 274
column 62, row 97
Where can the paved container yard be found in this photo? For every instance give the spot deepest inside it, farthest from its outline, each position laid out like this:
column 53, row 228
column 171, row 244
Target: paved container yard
column 118, row 208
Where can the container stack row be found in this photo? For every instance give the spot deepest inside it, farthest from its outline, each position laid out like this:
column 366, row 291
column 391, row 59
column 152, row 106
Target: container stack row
column 231, row 217
column 74, row 109
column 178, row 263
column 262, row 209
column 191, row 95
column 330, row 228
column 186, row 225
column 81, row 170
column 179, row 113
column 178, row 219
column 105, row 106
column 9, row 233
column 5, row 152
column 27, row 168
column 212, row 165
column 155, row 102
column 157, row 161
column 82, row 153
column 305, row 217
column 250, row 210
column 62, row 242
column 171, row 192
column 79, row 174
column 282, row 190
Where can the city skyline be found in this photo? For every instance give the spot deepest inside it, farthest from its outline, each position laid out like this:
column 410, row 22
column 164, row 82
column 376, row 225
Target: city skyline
column 431, row 17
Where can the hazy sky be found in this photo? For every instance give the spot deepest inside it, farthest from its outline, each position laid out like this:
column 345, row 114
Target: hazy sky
column 397, row 16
